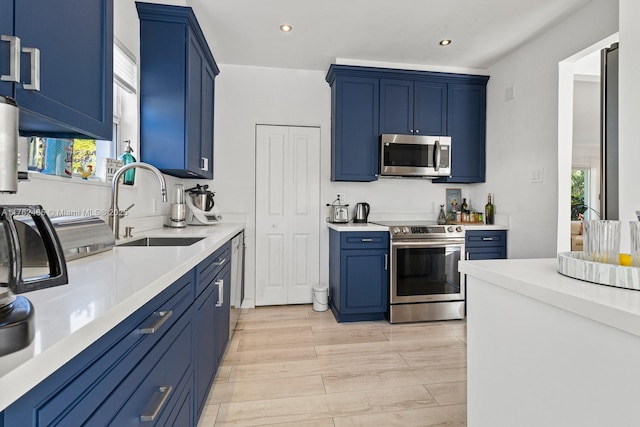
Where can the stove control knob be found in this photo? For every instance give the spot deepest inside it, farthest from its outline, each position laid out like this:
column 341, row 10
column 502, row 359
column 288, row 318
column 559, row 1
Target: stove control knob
column 450, row 229
column 459, row 229
column 396, row 230
column 405, row 230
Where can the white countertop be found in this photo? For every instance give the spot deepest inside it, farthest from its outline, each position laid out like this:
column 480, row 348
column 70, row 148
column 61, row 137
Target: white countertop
column 350, row 226
column 103, row 290
column 539, row 279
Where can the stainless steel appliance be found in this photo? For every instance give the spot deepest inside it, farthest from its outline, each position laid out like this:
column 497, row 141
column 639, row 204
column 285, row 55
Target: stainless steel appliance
column 202, row 208
column 361, row 214
column 424, row 280
column 178, row 217
column 237, row 280
column 609, row 197
column 31, row 256
column 415, row 156
column 338, row 213
column 8, row 145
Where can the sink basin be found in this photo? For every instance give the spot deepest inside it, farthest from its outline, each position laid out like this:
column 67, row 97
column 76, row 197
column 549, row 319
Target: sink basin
column 163, row 241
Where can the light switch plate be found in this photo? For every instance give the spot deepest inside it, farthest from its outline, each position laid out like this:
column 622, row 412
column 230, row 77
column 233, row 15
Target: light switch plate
column 537, row 175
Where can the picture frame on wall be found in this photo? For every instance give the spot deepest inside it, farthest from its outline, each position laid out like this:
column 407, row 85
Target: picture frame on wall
column 454, row 199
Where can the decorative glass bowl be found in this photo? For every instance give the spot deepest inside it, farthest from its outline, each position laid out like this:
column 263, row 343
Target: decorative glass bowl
column 574, row 265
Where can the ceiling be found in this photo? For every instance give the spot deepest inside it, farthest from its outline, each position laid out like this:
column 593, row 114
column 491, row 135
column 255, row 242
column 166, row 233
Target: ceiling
column 246, row 32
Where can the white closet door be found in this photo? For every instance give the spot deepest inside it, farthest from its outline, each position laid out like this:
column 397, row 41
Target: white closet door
column 287, row 214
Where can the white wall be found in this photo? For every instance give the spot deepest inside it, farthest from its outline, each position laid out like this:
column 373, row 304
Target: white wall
column 522, row 133
column 629, row 108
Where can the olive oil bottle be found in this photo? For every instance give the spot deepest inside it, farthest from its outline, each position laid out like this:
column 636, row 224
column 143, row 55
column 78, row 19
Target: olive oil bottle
column 489, row 211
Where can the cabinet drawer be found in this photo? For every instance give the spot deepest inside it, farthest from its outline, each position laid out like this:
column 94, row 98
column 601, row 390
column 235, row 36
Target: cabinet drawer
column 98, row 371
column 485, row 238
column 149, row 392
column 370, row 240
column 208, row 269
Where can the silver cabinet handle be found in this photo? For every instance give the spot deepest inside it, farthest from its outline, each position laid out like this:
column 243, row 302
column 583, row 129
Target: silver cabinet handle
column 160, row 317
column 436, row 156
column 220, row 262
column 155, row 405
column 417, row 130
column 487, row 239
column 205, row 164
column 14, row 59
column 386, row 262
column 34, row 52
column 366, row 240
column 220, row 285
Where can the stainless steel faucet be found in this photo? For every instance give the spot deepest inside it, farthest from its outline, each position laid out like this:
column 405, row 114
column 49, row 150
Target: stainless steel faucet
column 114, row 213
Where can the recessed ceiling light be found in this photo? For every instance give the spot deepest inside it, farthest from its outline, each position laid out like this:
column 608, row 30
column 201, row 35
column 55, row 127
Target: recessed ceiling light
column 445, row 42
column 285, row 28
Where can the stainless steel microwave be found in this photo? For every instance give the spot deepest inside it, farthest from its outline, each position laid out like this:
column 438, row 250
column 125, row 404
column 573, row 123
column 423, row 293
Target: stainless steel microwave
column 415, row 156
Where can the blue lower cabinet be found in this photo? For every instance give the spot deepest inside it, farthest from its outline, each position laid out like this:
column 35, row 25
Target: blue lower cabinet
column 154, row 368
column 486, row 244
column 358, row 275
column 212, row 312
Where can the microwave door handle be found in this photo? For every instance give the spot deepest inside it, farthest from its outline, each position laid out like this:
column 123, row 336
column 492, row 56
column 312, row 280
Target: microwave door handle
column 436, row 156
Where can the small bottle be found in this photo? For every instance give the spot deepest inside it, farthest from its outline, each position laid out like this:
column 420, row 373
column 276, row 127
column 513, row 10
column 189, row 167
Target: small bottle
column 489, row 211
column 465, row 207
column 442, row 218
column 127, row 157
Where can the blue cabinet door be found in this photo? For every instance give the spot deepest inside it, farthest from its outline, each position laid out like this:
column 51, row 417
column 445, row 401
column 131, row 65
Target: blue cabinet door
column 430, row 108
column 365, row 275
column 75, row 39
column 6, row 29
column 223, row 313
column 396, row 106
column 486, row 244
column 354, row 126
column 176, row 92
column 204, row 346
column 466, row 124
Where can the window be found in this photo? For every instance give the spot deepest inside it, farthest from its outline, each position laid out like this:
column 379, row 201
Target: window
column 86, row 158
column 580, row 196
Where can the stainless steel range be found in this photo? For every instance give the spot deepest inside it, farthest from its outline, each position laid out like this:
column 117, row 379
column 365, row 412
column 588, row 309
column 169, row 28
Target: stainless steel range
column 424, row 280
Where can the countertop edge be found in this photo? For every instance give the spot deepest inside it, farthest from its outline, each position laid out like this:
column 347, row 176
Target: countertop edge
column 28, row 374
column 592, row 304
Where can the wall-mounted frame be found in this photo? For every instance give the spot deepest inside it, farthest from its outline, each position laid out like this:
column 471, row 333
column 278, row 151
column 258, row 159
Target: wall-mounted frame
column 454, row 199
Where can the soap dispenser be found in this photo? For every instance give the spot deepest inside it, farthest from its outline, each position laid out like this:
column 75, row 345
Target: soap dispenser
column 127, row 157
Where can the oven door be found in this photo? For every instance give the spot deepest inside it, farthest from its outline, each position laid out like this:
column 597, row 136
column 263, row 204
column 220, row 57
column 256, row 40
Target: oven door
column 426, row 271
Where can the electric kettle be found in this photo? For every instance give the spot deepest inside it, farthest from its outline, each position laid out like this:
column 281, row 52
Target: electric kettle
column 361, row 213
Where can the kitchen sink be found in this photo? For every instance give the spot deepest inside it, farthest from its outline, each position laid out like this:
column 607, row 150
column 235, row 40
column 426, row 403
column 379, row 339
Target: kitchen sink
column 163, row 241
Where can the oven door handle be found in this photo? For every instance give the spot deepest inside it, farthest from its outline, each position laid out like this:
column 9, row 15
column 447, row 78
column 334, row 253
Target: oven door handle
column 428, row 244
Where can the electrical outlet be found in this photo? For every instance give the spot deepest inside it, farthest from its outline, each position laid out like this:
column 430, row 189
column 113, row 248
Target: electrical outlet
column 154, row 205
column 342, row 197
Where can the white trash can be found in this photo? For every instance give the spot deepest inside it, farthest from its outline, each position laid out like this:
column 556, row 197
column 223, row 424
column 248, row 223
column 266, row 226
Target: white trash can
column 320, row 297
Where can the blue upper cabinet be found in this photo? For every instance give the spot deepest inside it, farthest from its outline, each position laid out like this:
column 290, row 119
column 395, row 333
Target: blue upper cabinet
column 396, row 106
column 405, row 102
column 430, row 108
column 64, row 72
column 177, row 72
column 409, row 107
column 354, row 127
column 466, row 115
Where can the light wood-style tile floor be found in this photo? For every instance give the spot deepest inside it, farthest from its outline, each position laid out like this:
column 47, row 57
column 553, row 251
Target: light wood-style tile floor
column 292, row 366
